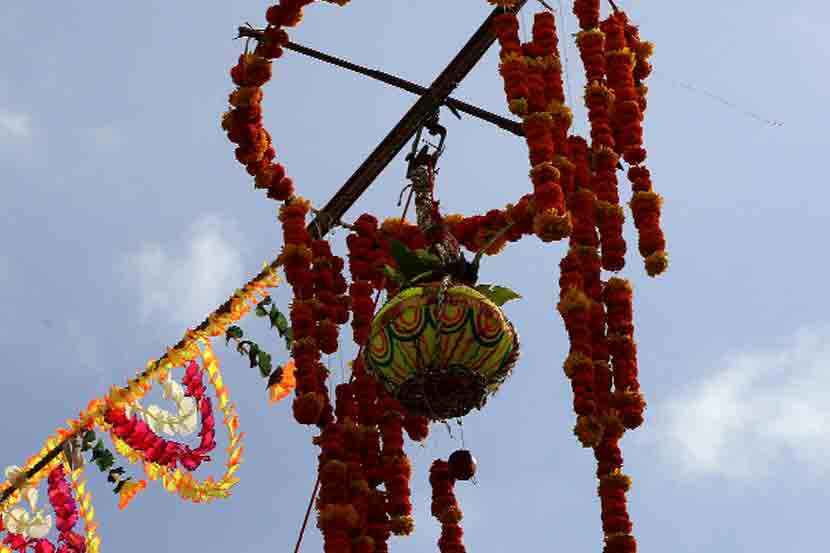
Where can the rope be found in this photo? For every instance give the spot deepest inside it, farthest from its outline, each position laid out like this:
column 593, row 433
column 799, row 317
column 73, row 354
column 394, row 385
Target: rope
column 307, row 513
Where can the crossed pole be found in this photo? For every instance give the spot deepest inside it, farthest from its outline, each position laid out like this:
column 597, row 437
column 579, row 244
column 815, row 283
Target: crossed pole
column 431, row 99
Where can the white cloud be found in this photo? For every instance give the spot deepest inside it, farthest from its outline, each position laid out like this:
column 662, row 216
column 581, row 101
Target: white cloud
column 755, row 410
column 182, row 284
column 14, row 126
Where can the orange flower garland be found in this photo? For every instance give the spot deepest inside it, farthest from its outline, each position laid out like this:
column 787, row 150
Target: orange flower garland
column 645, row 203
column 311, row 404
column 445, row 508
column 396, row 468
column 574, row 193
column 524, row 74
column 599, row 100
column 628, row 400
column 587, row 12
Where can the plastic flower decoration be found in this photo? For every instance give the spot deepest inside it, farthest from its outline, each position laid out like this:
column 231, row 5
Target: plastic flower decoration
column 31, row 525
column 128, row 491
column 182, row 423
column 279, row 389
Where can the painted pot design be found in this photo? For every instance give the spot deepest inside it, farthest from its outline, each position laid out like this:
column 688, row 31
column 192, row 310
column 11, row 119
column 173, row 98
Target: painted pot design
column 441, row 359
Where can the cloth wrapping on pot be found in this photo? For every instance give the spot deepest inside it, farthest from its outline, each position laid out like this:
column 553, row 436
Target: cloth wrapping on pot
column 441, row 375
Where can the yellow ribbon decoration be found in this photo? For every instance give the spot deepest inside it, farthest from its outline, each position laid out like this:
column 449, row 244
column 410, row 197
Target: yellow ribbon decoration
column 177, row 481
column 239, row 305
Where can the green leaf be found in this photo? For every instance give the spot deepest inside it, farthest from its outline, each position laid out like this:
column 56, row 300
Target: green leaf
column 113, row 474
column 266, row 301
column 428, row 259
column 88, row 438
column 392, row 274
column 240, row 347
column 412, row 264
column 289, row 338
column 260, row 311
column 105, row 461
column 498, row 294
column 253, row 355
column 233, row 332
column 264, row 360
column 280, row 322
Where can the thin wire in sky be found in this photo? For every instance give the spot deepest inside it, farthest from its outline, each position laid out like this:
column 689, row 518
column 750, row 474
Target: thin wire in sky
column 717, row 97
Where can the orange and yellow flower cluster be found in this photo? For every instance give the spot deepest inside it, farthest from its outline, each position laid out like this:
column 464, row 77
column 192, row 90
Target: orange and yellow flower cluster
column 533, row 86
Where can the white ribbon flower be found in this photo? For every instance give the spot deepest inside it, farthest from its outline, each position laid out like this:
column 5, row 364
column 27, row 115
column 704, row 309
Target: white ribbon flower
column 183, row 423
column 18, row 520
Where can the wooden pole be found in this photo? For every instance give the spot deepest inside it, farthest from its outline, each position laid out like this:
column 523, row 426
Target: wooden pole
column 509, row 125
column 393, row 143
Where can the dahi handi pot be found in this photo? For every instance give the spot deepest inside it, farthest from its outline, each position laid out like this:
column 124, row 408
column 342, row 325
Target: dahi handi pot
column 441, row 366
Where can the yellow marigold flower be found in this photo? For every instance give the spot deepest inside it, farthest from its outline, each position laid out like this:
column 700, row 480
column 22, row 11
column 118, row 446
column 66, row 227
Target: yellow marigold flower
column 622, row 53
column 575, row 361
column 581, row 35
column 644, row 50
column 295, row 254
column 618, row 283
column 543, row 115
column 545, row 167
column 587, row 431
column 563, row 163
column 560, row 110
column 402, row 525
column 617, row 477
column 550, row 226
column 596, row 87
column 551, row 62
column 573, row 298
column 608, row 211
column 657, row 263
column 245, row 96
column 518, row 106
column 392, row 226
column 297, row 205
column 612, row 423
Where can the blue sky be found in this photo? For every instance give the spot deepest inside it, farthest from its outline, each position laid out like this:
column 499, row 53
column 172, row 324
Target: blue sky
column 125, row 219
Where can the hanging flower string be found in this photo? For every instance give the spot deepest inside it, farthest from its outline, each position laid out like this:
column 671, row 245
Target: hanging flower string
column 311, row 404
column 524, row 83
column 574, row 194
column 445, row 508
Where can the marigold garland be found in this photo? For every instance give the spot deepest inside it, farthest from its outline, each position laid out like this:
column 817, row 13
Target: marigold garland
column 361, row 442
column 445, row 508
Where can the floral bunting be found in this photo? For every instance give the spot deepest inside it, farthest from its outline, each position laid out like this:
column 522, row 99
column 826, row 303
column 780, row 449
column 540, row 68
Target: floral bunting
column 364, row 473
